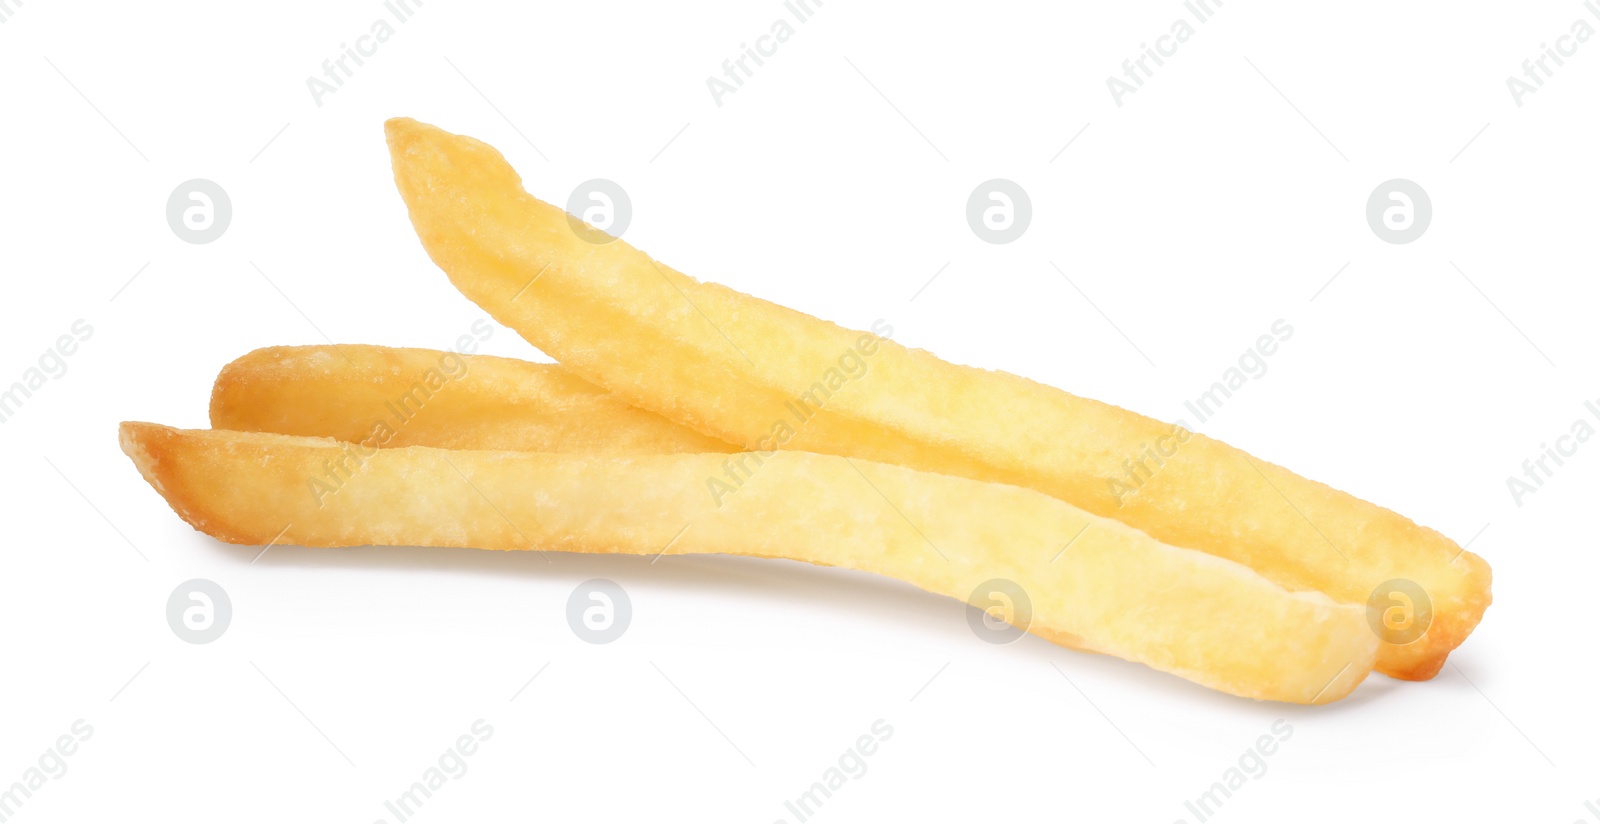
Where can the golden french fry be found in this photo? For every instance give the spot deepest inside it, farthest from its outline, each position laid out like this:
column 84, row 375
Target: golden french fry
column 382, row 397
column 753, row 373
column 1093, row 583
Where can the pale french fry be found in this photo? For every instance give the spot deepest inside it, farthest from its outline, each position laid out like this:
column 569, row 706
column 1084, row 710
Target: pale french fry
column 1113, row 589
column 384, row 397
column 753, row 373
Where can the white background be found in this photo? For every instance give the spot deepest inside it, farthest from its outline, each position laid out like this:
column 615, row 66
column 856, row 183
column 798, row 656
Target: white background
column 835, row 181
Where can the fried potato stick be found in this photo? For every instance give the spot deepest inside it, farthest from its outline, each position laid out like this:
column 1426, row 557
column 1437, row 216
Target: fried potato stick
column 1113, row 590
column 757, row 374
column 383, row 397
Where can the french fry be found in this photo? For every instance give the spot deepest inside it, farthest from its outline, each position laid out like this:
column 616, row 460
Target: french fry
column 753, row 373
column 383, row 397
column 1093, row 583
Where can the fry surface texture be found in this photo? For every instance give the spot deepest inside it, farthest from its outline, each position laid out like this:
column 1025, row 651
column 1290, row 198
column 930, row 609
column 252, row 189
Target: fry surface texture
column 749, row 372
column 383, row 397
column 1114, row 590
